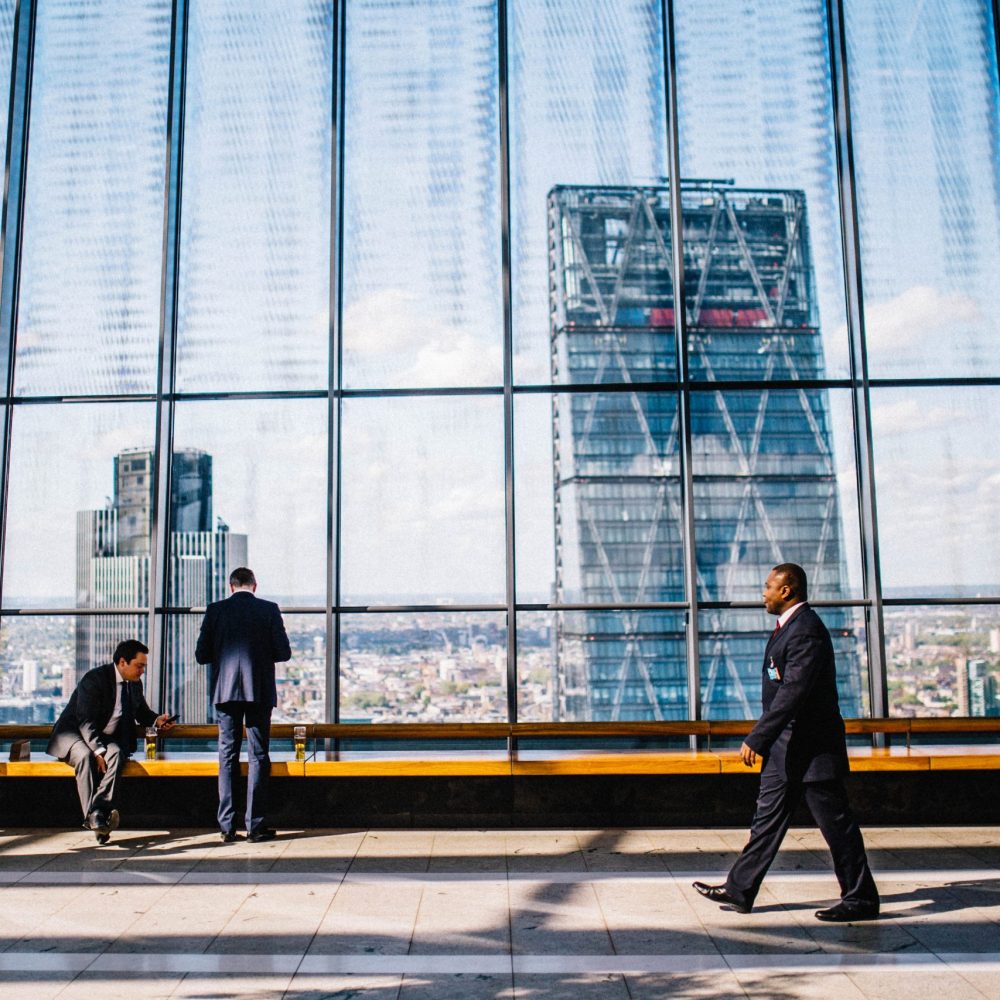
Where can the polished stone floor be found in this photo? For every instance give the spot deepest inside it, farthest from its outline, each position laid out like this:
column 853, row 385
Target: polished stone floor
column 486, row 914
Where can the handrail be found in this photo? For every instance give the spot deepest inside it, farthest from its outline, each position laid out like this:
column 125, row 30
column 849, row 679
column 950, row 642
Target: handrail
column 549, row 730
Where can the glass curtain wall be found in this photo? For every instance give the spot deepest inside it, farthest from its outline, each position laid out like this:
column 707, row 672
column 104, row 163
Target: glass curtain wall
column 510, row 343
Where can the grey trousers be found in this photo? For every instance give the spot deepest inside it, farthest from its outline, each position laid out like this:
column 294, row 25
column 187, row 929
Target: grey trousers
column 97, row 791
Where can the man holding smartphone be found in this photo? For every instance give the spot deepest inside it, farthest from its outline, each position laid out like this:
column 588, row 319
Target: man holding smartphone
column 95, row 734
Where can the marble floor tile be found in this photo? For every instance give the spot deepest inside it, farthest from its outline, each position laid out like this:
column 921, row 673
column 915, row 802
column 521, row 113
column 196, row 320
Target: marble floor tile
column 369, row 919
column 714, row 985
column 339, row 987
column 925, row 986
column 654, row 917
column 93, row 919
column 229, row 987
column 469, row 986
column 34, row 985
column 462, row 918
column 780, row 985
column 547, row 919
column 275, row 919
column 570, row 986
column 185, row 918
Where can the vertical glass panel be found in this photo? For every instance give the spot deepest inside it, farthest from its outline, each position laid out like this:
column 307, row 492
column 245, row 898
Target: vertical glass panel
column 249, row 488
column 943, row 661
column 253, row 308
column 591, row 268
column 732, row 654
column 431, row 667
column 937, row 474
column 422, row 501
column 301, row 682
column 89, row 311
column 422, row 301
column 763, row 254
column 601, row 666
column 598, row 498
column 925, row 120
column 42, row 658
column 774, row 481
column 7, row 11
column 76, row 537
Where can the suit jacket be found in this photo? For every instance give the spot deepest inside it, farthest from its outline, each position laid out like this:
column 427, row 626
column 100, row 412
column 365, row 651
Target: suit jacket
column 89, row 711
column 801, row 732
column 241, row 639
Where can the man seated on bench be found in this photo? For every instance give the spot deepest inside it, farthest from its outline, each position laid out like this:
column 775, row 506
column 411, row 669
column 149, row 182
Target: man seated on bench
column 95, row 734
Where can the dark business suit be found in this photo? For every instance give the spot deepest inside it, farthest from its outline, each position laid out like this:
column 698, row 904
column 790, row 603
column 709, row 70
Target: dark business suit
column 242, row 638
column 79, row 734
column 800, row 736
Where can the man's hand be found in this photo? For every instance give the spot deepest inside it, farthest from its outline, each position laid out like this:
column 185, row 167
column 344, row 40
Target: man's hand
column 748, row 755
column 164, row 723
column 102, row 764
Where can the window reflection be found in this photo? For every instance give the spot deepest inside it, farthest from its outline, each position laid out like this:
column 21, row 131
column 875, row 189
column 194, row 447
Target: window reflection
column 925, row 112
column 300, row 682
column 587, row 107
column 422, row 304
column 423, row 501
column 62, row 544
column 43, row 657
column 250, row 487
column 943, row 661
column 732, row 648
column 937, row 474
column 763, row 245
column 253, row 302
column 601, row 666
column 770, row 486
column 89, row 306
column 431, row 667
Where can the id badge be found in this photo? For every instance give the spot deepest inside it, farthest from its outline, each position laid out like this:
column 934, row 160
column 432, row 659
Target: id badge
column 772, row 672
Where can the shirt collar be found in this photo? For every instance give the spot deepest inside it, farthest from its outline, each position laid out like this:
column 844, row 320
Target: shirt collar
column 118, row 673
column 788, row 612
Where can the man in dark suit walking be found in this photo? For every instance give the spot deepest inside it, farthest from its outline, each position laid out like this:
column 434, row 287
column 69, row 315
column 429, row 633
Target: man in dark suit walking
column 95, row 734
column 242, row 638
column 800, row 736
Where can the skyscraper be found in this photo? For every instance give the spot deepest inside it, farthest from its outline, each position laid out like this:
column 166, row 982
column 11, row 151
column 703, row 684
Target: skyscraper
column 112, row 567
column 765, row 486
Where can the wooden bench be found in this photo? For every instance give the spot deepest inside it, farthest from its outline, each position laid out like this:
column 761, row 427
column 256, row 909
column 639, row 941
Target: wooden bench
column 326, row 755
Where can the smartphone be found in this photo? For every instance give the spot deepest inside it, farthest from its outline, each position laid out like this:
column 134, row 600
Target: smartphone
column 173, row 718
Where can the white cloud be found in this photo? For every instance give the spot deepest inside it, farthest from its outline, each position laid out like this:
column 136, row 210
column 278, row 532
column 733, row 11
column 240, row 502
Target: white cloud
column 921, row 314
column 393, row 337
column 906, row 416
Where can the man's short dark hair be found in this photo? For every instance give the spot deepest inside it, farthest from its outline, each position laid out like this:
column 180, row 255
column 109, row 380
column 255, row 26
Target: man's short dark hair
column 242, row 577
column 795, row 579
column 128, row 649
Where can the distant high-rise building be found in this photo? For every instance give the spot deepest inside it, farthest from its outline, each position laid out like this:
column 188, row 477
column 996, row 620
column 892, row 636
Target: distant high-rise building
column 112, row 568
column 765, row 484
column 978, row 693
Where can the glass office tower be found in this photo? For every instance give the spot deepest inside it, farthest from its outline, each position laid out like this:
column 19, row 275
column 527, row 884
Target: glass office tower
column 766, row 478
column 112, row 568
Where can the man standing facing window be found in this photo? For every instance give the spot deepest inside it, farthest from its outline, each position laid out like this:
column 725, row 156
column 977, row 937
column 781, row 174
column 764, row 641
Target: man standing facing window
column 241, row 639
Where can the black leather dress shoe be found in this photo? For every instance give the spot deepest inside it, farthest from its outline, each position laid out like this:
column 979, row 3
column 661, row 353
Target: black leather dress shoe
column 718, row 894
column 228, row 836
column 264, row 833
column 847, row 913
